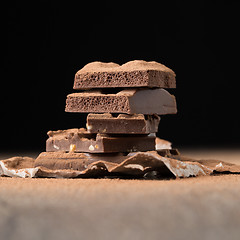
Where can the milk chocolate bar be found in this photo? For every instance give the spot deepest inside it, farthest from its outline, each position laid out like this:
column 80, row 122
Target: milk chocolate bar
column 130, row 101
column 79, row 140
column 122, row 124
column 136, row 73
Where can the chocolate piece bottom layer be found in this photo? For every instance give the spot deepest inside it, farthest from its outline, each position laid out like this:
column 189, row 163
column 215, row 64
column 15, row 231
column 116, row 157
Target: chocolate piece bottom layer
column 139, row 164
column 122, row 124
column 81, row 161
column 146, row 101
column 79, row 140
column 137, row 73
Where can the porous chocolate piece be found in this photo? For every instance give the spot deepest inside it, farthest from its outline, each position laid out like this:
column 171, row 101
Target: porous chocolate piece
column 137, row 73
column 122, row 124
column 145, row 101
column 79, row 140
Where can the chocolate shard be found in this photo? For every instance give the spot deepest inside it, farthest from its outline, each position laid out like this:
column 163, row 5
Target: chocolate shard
column 79, row 140
column 122, row 124
column 162, row 144
column 137, row 73
column 18, row 167
column 130, row 101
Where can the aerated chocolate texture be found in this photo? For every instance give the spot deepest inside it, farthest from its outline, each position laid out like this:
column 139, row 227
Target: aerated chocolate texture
column 79, row 140
column 122, row 124
column 136, row 73
column 146, row 101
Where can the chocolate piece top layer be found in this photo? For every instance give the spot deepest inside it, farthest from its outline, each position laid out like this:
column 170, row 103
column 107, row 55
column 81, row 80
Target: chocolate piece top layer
column 122, row 124
column 145, row 101
column 137, row 73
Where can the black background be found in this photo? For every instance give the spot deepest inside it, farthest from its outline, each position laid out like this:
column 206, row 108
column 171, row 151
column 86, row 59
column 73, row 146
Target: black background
column 46, row 42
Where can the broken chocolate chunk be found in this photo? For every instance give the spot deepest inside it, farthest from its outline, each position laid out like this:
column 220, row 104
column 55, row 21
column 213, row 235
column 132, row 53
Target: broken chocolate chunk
column 122, row 124
column 144, row 101
column 136, row 73
column 83, row 141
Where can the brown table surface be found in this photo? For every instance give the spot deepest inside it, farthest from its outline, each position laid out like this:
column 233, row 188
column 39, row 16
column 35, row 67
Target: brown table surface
column 193, row 208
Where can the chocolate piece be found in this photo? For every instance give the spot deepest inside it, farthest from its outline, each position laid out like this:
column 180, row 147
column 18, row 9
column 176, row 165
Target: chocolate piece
column 122, row 124
column 136, row 73
column 80, row 140
column 136, row 164
column 146, row 101
column 98, row 165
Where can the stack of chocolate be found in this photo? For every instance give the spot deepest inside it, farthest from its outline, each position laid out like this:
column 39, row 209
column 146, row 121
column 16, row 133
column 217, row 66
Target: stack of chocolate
column 124, row 103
